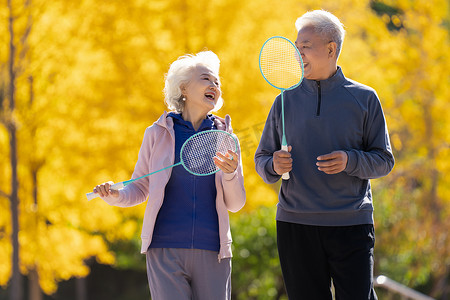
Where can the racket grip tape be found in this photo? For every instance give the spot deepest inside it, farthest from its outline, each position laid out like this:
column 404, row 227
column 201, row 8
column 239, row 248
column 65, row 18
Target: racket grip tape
column 285, row 176
column 116, row 186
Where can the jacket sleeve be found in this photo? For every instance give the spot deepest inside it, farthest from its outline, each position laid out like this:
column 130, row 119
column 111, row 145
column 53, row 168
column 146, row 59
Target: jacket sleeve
column 269, row 143
column 375, row 159
column 233, row 186
column 136, row 192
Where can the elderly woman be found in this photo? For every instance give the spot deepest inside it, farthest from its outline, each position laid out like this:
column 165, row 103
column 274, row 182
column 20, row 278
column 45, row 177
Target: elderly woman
column 186, row 232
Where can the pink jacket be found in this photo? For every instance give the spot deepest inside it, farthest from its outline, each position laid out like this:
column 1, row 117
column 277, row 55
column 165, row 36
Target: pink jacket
column 157, row 152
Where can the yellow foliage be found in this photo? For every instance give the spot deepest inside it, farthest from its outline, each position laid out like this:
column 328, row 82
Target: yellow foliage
column 98, row 73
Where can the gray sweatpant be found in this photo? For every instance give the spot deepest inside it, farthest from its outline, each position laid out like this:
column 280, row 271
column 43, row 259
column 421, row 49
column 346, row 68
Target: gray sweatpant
column 188, row 274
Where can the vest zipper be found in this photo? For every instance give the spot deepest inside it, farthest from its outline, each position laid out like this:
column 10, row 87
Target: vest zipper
column 319, row 100
column 193, row 210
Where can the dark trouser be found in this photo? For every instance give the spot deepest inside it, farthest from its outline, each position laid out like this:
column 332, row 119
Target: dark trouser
column 312, row 256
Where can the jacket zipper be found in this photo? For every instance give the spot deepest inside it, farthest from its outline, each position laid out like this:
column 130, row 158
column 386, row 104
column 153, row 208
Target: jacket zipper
column 319, row 100
column 193, row 212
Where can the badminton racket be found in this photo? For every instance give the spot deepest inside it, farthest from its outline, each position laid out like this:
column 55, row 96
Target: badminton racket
column 281, row 65
column 196, row 155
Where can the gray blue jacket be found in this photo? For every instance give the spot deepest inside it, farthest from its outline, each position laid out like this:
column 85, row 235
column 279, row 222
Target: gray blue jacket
column 322, row 117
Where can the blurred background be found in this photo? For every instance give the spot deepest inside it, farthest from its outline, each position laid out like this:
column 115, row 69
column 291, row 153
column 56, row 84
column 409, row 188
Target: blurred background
column 81, row 80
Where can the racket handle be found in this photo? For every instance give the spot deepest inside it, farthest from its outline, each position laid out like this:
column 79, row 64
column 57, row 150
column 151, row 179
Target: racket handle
column 285, row 176
column 116, row 186
column 91, row 196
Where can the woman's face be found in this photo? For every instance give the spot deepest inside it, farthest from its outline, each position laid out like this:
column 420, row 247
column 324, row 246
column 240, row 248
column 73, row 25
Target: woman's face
column 203, row 90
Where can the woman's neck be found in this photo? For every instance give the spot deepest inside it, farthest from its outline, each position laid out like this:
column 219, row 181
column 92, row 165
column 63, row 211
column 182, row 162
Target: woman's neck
column 196, row 118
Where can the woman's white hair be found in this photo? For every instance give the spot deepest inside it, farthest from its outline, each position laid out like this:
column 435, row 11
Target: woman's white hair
column 324, row 23
column 180, row 73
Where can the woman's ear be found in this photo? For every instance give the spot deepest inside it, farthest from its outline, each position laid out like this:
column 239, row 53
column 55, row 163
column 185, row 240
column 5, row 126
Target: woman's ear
column 183, row 88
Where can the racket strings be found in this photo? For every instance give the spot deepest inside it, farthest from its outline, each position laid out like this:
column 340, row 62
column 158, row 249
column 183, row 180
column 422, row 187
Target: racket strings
column 280, row 63
column 198, row 152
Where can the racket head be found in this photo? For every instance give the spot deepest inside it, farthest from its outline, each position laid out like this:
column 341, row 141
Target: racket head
column 280, row 63
column 198, row 151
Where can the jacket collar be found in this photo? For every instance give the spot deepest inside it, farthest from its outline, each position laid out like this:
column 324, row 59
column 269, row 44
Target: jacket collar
column 326, row 85
column 221, row 124
column 206, row 124
column 164, row 121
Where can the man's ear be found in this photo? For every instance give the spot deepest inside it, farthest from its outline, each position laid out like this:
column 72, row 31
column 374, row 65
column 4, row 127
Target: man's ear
column 332, row 48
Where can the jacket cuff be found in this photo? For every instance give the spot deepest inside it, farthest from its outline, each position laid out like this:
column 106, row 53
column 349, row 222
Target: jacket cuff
column 111, row 200
column 229, row 176
column 351, row 162
column 269, row 167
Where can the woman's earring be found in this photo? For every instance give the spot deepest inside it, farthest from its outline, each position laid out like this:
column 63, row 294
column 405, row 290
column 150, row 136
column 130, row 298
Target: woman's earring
column 184, row 98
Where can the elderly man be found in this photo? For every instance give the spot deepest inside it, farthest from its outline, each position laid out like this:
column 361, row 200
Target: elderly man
column 338, row 141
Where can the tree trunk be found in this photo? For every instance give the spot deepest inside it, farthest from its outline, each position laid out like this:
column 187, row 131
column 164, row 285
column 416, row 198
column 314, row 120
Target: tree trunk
column 35, row 292
column 81, row 289
column 16, row 288
column 34, row 289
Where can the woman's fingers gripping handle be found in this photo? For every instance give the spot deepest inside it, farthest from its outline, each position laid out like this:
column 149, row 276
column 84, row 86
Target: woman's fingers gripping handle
column 105, row 189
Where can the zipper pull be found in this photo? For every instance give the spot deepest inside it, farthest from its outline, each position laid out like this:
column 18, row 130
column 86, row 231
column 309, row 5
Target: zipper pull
column 319, row 99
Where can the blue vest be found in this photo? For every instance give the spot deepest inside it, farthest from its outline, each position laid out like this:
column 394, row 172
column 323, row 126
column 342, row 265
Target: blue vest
column 188, row 216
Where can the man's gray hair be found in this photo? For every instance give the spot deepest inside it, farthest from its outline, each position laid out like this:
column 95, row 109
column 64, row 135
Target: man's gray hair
column 180, row 73
column 325, row 24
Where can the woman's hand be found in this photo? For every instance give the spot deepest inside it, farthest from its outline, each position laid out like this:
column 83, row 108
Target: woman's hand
column 227, row 163
column 104, row 190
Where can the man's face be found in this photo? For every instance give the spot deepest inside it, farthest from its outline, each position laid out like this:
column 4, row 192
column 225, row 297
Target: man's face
column 318, row 62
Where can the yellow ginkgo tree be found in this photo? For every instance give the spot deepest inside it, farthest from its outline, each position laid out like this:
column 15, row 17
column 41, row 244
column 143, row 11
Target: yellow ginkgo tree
column 87, row 78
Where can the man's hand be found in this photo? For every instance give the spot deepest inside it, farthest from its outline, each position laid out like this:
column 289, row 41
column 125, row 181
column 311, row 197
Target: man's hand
column 282, row 161
column 332, row 163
